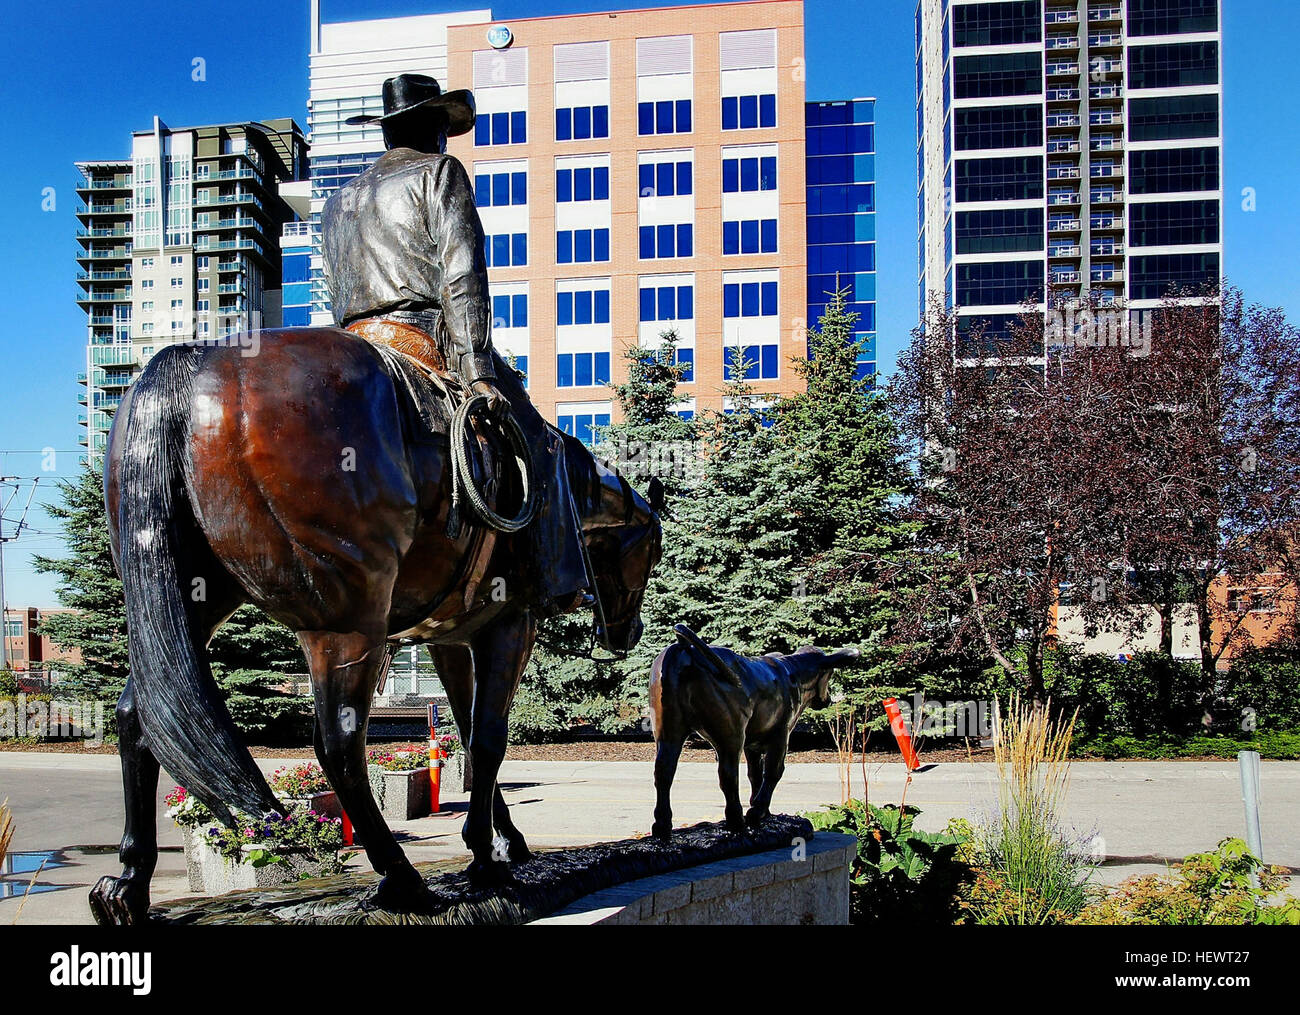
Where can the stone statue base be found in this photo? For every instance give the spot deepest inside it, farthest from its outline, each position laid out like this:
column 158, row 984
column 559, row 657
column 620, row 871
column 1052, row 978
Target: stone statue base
column 553, row 880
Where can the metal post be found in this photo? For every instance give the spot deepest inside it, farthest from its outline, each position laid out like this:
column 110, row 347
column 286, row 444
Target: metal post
column 4, row 616
column 1248, row 762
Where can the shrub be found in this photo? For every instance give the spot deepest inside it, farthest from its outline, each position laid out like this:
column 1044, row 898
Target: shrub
column 260, row 709
column 300, row 781
column 8, row 684
column 900, row 875
column 1267, row 683
column 1226, row 887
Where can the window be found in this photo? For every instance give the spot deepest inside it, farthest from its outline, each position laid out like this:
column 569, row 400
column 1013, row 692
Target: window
column 998, row 24
column 1004, row 284
column 146, row 307
column 665, row 179
column 13, row 628
column 501, row 128
column 178, row 305
column 998, row 127
column 578, row 123
column 750, row 236
column 996, row 75
column 201, row 264
column 506, row 249
column 178, row 283
column 752, row 362
column 510, row 311
column 1001, row 179
column 1173, row 223
column 1173, row 117
column 749, row 299
column 744, row 112
column 748, row 174
column 582, row 423
column 146, row 283
column 1176, row 65
column 177, row 262
column 205, row 285
column 666, row 116
column 497, row 189
column 581, row 369
column 999, row 231
column 667, row 241
column 581, row 246
column 202, row 306
column 585, row 183
column 582, row 306
column 1173, row 170
column 146, row 262
column 1172, row 17
column 667, row 303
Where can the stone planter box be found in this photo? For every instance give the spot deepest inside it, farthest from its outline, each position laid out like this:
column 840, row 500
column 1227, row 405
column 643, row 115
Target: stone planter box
column 455, row 774
column 210, row 873
column 326, row 803
column 401, row 796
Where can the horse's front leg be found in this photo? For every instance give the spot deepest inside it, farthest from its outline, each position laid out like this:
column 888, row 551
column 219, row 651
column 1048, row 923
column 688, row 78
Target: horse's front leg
column 501, row 654
column 125, row 900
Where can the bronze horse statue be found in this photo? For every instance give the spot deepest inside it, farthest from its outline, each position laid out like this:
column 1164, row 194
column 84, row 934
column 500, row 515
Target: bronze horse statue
column 294, row 480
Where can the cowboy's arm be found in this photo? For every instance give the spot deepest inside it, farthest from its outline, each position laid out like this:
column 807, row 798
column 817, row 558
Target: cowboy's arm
column 458, row 238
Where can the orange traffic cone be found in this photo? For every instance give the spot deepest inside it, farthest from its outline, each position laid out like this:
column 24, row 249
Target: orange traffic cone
column 899, row 728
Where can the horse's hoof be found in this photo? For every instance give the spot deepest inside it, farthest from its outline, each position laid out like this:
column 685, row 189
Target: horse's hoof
column 403, row 890
column 756, row 817
column 664, row 833
column 519, row 852
column 489, row 874
column 119, row 902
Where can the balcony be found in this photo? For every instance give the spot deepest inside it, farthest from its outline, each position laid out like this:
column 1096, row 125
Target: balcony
column 1064, row 224
column 81, row 398
column 296, row 230
column 1105, row 40
column 1106, row 170
column 1103, row 15
column 1066, row 277
column 81, row 378
column 1063, row 68
column 1058, row 42
column 1105, row 144
column 1106, row 221
column 1063, row 95
column 1063, row 199
column 115, row 183
column 1106, row 195
column 105, row 296
column 1063, row 172
column 1107, row 273
column 1061, row 146
column 1108, row 249
column 1108, row 90
column 1105, row 117
column 83, row 440
column 112, row 356
column 112, row 378
column 1063, row 120
column 1061, row 16
column 230, row 266
column 121, row 275
column 1069, row 250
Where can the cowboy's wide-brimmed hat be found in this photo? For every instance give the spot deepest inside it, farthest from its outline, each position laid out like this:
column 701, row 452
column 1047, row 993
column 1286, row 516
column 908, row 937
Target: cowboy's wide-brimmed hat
column 408, row 93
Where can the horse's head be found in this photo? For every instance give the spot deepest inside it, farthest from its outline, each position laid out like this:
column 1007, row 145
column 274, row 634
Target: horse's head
column 624, row 542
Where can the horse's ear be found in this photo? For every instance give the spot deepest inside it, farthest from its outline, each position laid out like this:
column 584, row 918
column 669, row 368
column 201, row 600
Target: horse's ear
column 656, row 495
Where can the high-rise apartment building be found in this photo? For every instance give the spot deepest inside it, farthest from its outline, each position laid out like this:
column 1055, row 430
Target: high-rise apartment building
column 635, row 171
column 1070, row 142
column 179, row 242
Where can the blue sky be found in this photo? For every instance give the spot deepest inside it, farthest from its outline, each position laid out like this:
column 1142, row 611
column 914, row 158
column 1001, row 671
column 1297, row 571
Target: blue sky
column 78, row 77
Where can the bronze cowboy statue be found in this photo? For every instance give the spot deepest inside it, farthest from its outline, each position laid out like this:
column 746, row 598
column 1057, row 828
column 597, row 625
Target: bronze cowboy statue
column 339, row 481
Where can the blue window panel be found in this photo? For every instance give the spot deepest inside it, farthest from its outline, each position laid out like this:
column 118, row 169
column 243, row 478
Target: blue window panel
column 600, row 183
column 664, row 117
column 685, row 184
column 601, row 245
column 749, row 299
column 519, row 248
column 749, row 236
column 518, row 188
column 685, row 240
column 730, row 176
column 582, row 245
column 519, row 127
column 582, row 370
column 731, row 300
column 767, row 229
column 664, row 178
column 645, row 180
column 563, row 124
column 647, row 241
column 500, row 128
column 600, row 121
column 563, row 185
column 582, row 184
column 685, row 303
column 768, row 299
column 667, row 309
column 767, row 110
column 645, row 118
column 748, row 111
column 602, row 306
column 483, row 190
column 501, row 311
column 686, row 414
column 585, row 432
column 686, row 359
column 564, row 370
column 564, row 247
column 647, row 312
column 731, row 237
column 767, row 173
column 768, row 360
column 483, row 131
column 601, row 368
column 564, row 308
column 521, row 364
column 500, row 188
column 501, row 249
column 864, row 371
column 582, row 307
column 730, row 112
column 683, row 116
column 749, row 174
column 519, row 310
column 582, row 123
column 664, row 240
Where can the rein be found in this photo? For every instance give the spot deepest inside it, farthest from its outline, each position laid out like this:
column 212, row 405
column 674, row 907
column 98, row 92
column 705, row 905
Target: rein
column 462, row 486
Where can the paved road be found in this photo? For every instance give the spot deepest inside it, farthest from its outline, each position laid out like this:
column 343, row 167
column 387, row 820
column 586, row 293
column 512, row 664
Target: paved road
column 70, row 806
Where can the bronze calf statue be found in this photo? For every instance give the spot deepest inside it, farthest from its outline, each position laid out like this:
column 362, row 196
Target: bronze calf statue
column 736, row 703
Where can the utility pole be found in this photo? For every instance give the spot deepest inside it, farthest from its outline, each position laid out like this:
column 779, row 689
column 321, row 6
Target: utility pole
column 18, row 530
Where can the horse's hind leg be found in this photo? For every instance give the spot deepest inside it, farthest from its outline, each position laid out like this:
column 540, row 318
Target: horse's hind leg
column 344, row 671
column 125, row 900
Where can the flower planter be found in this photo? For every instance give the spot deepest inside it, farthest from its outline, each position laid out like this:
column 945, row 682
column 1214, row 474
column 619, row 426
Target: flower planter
column 401, row 796
column 211, row 873
column 455, row 774
column 326, row 803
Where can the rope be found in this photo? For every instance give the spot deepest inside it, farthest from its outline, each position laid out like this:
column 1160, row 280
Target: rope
column 462, row 486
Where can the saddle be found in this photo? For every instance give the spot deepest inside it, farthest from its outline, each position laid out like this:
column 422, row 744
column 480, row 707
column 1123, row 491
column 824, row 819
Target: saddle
column 432, row 392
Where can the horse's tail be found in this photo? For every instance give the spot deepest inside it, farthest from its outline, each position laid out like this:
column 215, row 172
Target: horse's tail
column 185, row 722
column 708, row 656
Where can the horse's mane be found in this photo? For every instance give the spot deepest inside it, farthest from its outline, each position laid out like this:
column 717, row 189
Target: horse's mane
column 584, row 474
